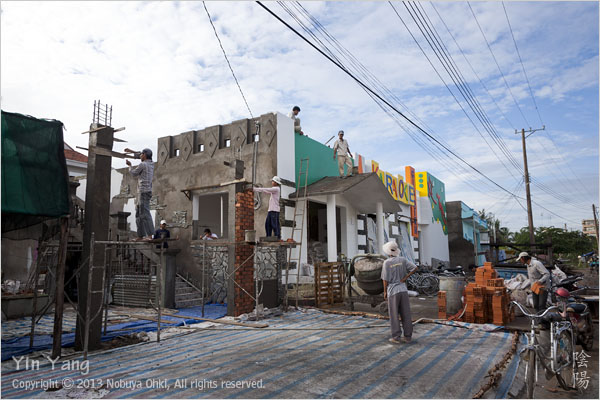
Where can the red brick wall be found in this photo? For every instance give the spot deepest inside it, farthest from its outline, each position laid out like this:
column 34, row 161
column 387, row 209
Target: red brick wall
column 244, row 220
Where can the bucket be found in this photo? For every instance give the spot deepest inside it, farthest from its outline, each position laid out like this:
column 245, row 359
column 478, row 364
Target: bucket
column 453, row 286
column 250, row 236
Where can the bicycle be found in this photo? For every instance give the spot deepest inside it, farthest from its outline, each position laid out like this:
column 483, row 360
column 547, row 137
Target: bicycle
column 423, row 282
column 562, row 362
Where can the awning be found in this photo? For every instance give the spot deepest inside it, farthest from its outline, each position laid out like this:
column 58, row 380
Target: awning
column 363, row 191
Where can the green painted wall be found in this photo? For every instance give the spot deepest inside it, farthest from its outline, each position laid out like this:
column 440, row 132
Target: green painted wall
column 321, row 162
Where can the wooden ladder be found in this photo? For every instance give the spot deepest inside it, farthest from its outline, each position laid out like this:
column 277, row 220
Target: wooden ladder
column 302, row 172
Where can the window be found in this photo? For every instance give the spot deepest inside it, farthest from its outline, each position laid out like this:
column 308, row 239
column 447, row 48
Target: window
column 200, row 148
column 227, row 142
column 212, row 213
column 176, row 152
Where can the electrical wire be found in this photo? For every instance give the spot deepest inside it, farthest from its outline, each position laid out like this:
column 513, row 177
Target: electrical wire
column 497, row 65
column 227, row 59
column 411, row 122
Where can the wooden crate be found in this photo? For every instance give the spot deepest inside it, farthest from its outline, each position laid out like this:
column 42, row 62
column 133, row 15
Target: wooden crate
column 329, row 283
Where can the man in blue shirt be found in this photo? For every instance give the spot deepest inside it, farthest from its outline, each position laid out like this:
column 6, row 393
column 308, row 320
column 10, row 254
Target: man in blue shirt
column 162, row 233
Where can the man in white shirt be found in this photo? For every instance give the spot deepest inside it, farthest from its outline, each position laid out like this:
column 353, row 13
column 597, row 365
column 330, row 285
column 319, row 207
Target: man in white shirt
column 294, row 116
column 272, row 222
column 342, row 150
column 208, row 235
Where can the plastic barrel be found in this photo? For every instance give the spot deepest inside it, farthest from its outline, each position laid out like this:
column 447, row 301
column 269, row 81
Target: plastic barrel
column 453, row 286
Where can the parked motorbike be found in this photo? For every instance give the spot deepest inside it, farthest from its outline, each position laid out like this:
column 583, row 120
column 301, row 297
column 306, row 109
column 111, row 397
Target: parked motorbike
column 579, row 315
column 569, row 283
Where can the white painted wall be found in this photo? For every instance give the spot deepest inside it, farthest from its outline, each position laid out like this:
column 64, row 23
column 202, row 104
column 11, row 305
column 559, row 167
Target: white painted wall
column 286, row 167
column 434, row 243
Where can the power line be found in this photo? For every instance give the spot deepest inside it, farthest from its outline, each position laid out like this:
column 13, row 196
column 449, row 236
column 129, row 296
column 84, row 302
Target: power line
column 523, row 66
column 458, row 80
column 367, row 88
column 227, row 59
column 496, row 61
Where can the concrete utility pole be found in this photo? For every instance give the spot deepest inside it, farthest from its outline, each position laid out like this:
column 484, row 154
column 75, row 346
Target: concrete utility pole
column 595, row 220
column 527, row 190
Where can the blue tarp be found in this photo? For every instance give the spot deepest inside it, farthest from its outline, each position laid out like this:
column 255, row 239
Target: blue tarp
column 20, row 345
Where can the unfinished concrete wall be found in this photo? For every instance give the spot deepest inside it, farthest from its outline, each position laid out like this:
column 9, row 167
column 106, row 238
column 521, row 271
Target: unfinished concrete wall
column 195, row 160
column 462, row 251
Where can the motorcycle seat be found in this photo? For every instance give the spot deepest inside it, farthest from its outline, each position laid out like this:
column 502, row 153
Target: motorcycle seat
column 577, row 307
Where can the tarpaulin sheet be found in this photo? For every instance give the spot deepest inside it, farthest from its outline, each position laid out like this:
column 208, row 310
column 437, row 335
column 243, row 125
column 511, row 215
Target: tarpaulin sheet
column 35, row 181
column 20, row 345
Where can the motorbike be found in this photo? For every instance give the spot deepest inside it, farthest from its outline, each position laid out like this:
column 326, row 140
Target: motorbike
column 579, row 314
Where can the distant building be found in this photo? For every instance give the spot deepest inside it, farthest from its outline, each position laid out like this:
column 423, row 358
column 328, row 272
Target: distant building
column 588, row 227
column 467, row 235
column 76, row 162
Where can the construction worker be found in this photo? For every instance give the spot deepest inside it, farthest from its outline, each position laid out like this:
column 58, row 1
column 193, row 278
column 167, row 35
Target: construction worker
column 144, row 171
column 342, row 151
column 272, row 221
column 294, row 116
column 540, row 280
column 162, row 233
column 208, row 235
column 395, row 272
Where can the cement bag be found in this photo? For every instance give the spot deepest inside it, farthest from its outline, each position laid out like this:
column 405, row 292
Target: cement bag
column 412, row 293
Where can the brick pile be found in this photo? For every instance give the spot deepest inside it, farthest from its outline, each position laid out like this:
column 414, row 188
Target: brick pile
column 244, row 275
column 487, row 298
column 442, row 304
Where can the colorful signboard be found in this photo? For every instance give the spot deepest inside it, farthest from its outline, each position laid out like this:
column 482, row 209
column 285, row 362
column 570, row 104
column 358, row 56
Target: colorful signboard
column 428, row 185
column 414, row 226
column 398, row 188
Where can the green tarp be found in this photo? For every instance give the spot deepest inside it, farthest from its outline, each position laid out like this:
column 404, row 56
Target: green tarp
column 35, row 181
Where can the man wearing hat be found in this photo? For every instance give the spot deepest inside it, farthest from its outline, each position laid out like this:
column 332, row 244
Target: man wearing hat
column 294, row 116
column 162, row 233
column 342, row 151
column 272, row 222
column 540, row 280
column 144, row 171
column 395, row 272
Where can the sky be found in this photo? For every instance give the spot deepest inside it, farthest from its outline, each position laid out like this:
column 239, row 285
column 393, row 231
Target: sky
column 160, row 67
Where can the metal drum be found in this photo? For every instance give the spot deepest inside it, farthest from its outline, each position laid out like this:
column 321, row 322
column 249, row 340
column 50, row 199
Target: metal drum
column 367, row 271
column 453, row 286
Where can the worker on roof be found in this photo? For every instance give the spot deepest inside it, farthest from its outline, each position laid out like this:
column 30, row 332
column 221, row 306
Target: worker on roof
column 342, row 151
column 395, row 272
column 144, row 171
column 540, row 280
column 272, row 221
column 294, row 116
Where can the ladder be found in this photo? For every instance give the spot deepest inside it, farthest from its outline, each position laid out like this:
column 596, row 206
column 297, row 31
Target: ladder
column 302, row 172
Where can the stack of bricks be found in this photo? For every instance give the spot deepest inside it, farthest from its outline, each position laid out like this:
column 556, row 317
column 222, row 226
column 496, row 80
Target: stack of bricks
column 244, row 274
column 442, row 304
column 487, row 298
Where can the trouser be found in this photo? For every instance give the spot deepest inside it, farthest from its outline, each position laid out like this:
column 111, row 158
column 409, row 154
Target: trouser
column 344, row 160
column 272, row 224
column 143, row 218
column 539, row 300
column 400, row 303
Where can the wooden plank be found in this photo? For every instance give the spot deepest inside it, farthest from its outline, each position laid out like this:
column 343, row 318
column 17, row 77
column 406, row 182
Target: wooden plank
column 217, row 321
column 146, row 318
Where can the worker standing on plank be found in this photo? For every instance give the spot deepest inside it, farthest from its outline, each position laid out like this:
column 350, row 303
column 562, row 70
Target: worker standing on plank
column 540, row 280
column 342, row 151
column 272, row 222
column 395, row 272
column 144, row 171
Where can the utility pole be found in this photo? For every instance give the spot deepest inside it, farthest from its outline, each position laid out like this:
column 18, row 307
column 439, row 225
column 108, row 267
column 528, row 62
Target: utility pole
column 527, row 190
column 595, row 220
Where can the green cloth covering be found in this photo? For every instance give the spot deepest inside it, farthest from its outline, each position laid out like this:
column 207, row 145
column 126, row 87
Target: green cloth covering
column 35, row 180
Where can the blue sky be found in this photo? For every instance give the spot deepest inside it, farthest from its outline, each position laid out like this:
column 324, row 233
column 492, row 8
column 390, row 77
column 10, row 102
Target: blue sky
column 160, row 67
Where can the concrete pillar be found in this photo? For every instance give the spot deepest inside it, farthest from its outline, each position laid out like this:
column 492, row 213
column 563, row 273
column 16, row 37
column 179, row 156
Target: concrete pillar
column 331, row 229
column 380, row 222
column 97, row 210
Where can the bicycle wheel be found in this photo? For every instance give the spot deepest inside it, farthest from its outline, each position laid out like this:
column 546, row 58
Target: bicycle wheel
column 530, row 377
column 429, row 285
column 564, row 361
